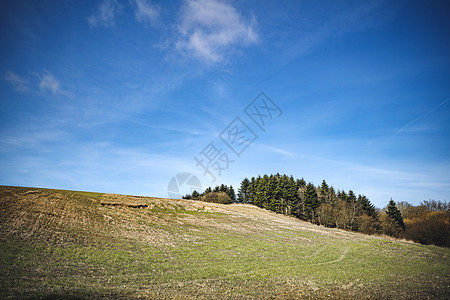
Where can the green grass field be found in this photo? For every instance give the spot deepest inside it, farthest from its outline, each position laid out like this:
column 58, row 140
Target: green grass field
column 65, row 244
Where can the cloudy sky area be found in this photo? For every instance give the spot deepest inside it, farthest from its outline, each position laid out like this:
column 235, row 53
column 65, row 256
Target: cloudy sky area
column 120, row 96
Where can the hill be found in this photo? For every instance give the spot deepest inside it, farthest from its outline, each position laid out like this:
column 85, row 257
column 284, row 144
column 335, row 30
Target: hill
column 70, row 244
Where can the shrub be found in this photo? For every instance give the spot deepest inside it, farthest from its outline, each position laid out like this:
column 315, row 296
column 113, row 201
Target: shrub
column 217, row 197
column 431, row 228
column 367, row 224
column 390, row 226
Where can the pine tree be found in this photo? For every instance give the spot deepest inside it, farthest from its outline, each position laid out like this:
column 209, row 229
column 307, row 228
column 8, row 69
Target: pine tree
column 351, row 197
column 273, row 203
column 230, row 192
column 195, row 195
column 263, row 191
column 342, row 195
column 244, row 191
column 367, row 206
column 301, row 183
column 324, row 192
column 311, row 202
column 258, row 197
column 290, row 195
column 394, row 213
column 252, row 189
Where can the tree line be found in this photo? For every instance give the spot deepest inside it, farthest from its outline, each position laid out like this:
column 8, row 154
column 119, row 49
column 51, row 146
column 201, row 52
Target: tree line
column 427, row 223
column 322, row 205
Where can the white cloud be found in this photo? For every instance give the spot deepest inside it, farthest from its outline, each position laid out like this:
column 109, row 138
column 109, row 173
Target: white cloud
column 46, row 82
column 20, row 84
column 209, row 28
column 146, row 12
column 49, row 83
column 278, row 150
column 106, row 13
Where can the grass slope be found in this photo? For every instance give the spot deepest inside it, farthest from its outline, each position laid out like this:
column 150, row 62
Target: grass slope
column 76, row 245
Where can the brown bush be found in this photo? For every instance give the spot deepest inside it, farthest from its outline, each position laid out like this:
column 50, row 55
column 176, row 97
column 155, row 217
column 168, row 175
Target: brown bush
column 431, row 228
column 217, row 197
column 367, row 224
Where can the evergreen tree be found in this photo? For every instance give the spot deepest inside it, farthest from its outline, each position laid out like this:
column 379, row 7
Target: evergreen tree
column 195, row 195
column 301, row 183
column 262, row 191
column 223, row 188
column 324, row 193
column 256, row 192
column 394, row 213
column 290, row 195
column 244, row 191
column 351, row 197
column 367, row 206
column 342, row 195
column 333, row 197
column 230, row 192
column 273, row 203
column 311, row 202
column 252, row 189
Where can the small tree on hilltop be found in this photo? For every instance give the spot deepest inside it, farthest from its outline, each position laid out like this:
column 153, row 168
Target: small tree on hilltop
column 231, row 193
column 394, row 213
column 195, row 195
column 244, row 191
column 392, row 221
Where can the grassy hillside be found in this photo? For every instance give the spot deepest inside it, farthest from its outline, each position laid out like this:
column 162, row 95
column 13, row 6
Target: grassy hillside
column 88, row 245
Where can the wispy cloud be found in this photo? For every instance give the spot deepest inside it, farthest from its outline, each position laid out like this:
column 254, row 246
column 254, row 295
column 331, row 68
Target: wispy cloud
column 364, row 15
column 422, row 117
column 40, row 83
column 19, row 83
column 146, row 12
column 30, row 137
column 278, row 150
column 209, row 28
column 105, row 14
column 50, row 83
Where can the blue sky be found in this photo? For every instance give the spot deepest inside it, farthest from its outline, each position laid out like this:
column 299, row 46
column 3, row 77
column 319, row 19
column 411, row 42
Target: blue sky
column 121, row 96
